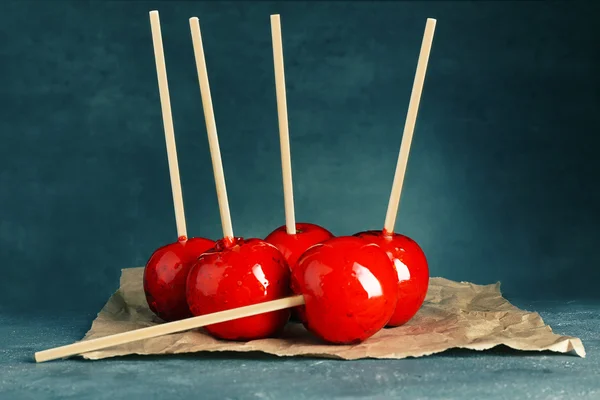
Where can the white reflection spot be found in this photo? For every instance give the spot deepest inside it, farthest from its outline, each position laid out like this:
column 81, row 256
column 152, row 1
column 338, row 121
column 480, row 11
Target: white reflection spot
column 401, row 270
column 260, row 276
column 367, row 280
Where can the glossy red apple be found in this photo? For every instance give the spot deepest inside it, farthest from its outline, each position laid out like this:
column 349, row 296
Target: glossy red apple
column 166, row 274
column 292, row 246
column 411, row 266
column 350, row 289
column 237, row 273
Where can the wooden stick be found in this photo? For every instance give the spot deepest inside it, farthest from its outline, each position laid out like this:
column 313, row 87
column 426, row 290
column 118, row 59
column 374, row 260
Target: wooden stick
column 409, row 127
column 211, row 129
column 165, row 101
column 284, row 135
column 167, row 328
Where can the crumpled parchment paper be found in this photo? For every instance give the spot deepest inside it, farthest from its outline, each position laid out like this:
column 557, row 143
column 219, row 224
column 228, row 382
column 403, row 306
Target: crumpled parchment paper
column 454, row 315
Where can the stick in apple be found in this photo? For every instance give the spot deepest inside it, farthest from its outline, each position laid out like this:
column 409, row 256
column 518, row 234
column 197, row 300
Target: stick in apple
column 165, row 102
column 409, row 127
column 211, row 129
column 292, row 239
column 284, row 134
column 87, row 346
column 167, row 268
column 407, row 256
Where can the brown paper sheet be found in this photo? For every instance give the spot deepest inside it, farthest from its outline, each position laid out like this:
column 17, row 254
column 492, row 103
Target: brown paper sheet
column 454, row 315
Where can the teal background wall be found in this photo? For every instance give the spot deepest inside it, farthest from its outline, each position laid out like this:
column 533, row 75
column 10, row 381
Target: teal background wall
column 502, row 182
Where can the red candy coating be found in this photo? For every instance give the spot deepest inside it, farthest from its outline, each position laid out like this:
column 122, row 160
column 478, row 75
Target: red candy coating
column 239, row 273
column 165, row 277
column 292, row 246
column 412, row 269
column 350, row 289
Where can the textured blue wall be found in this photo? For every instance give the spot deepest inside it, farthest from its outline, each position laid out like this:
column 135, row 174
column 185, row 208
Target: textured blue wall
column 502, row 182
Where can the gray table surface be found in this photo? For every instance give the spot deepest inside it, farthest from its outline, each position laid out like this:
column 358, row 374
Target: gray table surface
column 499, row 373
